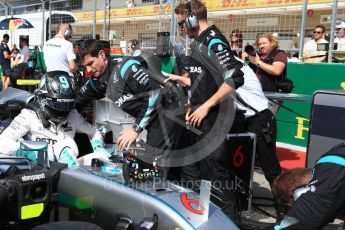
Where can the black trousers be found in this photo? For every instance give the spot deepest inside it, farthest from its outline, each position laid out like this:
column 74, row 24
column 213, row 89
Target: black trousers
column 163, row 136
column 213, row 169
column 223, row 182
column 266, row 152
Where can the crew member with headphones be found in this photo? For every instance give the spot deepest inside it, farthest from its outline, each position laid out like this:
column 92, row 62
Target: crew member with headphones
column 215, row 74
column 133, row 47
column 58, row 51
column 312, row 198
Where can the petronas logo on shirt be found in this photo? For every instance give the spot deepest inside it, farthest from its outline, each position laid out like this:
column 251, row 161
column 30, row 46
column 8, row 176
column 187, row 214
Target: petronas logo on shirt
column 134, row 68
column 220, row 47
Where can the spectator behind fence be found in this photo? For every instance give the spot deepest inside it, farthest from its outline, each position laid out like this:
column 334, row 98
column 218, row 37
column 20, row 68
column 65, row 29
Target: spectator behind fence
column 14, row 53
column 130, row 3
column 133, row 47
column 294, row 45
column 5, row 61
column 24, row 53
column 236, row 41
column 340, row 40
column 14, row 49
column 58, row 51
column 20, row 62
column 310, row 51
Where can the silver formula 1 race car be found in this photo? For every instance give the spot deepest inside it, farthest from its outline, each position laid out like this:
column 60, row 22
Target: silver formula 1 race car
column 102, row 193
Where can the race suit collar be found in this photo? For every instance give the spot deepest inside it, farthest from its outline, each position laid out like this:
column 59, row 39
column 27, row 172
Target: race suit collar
column 103, row 79
column 205, row 32
column 54, row 127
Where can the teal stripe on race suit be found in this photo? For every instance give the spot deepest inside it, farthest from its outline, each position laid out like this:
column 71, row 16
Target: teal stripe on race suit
column 332, row 159
column 152, row 101
column 212, row 42
column 93, row 85
column 126, row 66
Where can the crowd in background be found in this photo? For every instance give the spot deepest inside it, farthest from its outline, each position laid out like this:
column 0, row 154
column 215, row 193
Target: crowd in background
column 13, row 61
column 315, row 50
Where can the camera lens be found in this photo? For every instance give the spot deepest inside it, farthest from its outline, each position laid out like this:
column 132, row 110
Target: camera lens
column 38, row 191
column 250, row 50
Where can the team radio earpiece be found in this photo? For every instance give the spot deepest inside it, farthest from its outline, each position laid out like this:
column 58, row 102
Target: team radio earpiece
column 191, row 20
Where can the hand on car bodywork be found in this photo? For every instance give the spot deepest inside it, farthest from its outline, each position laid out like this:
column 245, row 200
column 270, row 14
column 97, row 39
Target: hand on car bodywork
column 126, row 138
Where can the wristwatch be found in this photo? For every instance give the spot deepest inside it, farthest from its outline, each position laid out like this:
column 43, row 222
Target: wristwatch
column 259, row 63
column 137, row 128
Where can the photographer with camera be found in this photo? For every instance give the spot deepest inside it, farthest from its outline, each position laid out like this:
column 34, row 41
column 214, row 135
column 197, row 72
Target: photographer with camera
column 271, row 64
column 236, row 42
column 51, row 117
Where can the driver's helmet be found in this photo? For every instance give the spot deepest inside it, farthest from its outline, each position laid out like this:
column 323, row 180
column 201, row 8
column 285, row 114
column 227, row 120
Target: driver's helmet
column 56, row 95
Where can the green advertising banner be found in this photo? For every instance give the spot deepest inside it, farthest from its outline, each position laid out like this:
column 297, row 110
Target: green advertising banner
column 307, row 77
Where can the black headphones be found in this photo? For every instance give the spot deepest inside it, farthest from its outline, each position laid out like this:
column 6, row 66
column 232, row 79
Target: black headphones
column 134, row 44
column 68, row 33
column 191, row 18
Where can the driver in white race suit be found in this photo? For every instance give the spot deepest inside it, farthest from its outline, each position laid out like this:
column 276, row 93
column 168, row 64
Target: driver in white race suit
column 51, row 117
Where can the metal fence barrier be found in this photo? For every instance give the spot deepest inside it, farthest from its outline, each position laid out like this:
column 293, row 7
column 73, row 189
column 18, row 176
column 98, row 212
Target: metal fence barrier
column 120, row 21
